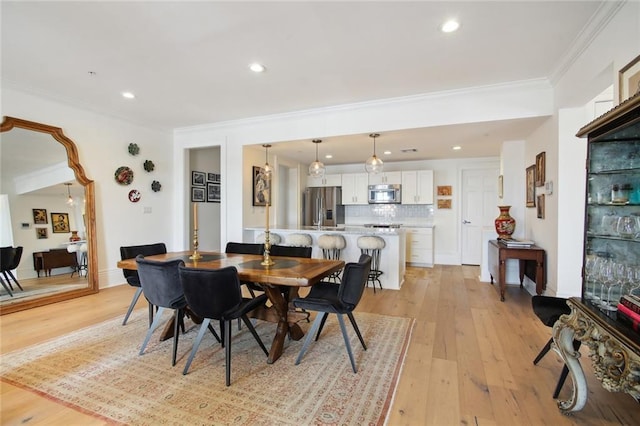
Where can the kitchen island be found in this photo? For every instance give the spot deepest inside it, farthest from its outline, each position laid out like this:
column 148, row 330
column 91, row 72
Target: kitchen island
column 392, row 258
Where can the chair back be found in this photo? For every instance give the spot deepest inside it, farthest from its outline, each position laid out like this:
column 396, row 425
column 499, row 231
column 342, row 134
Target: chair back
column 160, row 282
column 354, row 280
column 211, row 292
column 15, row 254
column 5, row 257
column 290, row 251
column 129, row 252
column 244, row 248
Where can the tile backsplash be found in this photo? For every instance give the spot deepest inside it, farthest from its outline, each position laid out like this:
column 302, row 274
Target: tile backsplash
column 420, row 214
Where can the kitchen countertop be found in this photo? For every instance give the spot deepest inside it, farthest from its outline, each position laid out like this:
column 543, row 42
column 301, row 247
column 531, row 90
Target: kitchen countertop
column 346, row 229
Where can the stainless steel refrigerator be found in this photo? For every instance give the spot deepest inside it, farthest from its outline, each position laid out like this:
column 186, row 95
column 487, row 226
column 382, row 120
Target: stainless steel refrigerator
column 322, row 206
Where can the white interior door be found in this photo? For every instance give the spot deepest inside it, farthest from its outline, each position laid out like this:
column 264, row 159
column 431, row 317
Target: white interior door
column 479, row 196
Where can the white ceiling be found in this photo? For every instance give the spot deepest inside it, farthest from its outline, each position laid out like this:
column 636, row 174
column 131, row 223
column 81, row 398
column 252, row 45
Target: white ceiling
column 187, row 62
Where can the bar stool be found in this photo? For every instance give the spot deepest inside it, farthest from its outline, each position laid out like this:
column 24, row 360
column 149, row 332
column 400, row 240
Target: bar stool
column 372, row 245
column 332, row 245
column 274, row 239
column 73, row 248
column 299, row 240
column 82, row 249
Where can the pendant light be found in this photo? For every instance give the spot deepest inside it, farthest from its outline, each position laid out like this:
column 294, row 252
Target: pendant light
column 373, row 163
column 266, row 170
column 316, row 169
column 70, row 200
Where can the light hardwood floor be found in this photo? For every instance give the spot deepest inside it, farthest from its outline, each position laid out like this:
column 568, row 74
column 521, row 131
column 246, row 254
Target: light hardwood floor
column 469, row 360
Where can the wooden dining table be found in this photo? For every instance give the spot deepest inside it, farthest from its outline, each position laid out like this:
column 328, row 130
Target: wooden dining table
column 289, row 272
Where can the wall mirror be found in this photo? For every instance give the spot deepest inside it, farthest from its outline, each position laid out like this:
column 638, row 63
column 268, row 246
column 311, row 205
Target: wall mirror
column 45, row 195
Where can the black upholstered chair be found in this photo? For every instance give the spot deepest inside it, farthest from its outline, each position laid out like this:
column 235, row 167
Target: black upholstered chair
column 161, row 286
column 130, row 252
column 290, row 251
column 6, row 287
column 10, row 259
column 549, row 309
column 246, row 248
column 215, row 294
column 327, row 297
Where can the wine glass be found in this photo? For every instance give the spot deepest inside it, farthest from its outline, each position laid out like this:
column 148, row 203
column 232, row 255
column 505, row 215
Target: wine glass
column 591, row 275
column 608, row 280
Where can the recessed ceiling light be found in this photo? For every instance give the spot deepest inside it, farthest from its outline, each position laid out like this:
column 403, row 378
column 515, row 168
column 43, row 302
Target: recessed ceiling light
column 450, row 26
column 456, row 148
column 256, row 67
column 387, row 153
column 128, row 95
column 328, row 156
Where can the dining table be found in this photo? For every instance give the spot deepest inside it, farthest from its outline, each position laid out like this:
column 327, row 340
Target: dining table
column 280, row 281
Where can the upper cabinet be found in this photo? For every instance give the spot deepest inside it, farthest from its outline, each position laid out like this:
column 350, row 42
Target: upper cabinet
column 385, row 178
column 417, row 187
column 326, row 180
column 354, row 188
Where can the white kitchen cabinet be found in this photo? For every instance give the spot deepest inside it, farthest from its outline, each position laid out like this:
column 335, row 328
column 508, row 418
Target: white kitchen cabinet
column 385, row 178
column 417, row 187
column 326, row 180
column 419, row 246
column 354, row 188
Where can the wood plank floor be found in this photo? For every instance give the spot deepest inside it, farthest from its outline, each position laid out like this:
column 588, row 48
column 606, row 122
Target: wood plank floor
column 469, row 360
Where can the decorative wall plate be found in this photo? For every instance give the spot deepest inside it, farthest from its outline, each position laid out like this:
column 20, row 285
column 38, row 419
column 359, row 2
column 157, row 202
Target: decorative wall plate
column 134, row 195
column 124, row 175
column 149, row 166
column 155, row 186
column 134, row 149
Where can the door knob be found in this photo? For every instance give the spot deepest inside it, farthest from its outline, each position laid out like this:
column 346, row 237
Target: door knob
column 466, row 221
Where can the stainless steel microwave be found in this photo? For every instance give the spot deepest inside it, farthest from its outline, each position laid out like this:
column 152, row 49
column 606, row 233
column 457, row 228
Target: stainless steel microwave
column 385, row 194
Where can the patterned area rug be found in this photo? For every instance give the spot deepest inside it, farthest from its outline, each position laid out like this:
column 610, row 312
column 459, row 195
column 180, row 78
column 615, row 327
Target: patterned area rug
column 97, row 370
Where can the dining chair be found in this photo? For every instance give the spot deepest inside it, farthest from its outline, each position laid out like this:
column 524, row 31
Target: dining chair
column 549, row 309
column 129, row 252
column 10, row 259
column 160, row 283
column 215, row 294
column 327, row 297
column 246, row 248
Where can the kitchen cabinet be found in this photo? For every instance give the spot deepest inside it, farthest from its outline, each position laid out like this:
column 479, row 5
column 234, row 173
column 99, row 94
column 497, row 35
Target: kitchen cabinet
column 354, row 188
column 326, row 180
column 385, row 178
column 419, row 246
column 417, row 187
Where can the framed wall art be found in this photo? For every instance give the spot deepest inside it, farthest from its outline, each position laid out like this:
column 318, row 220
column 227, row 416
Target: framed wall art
column 213, row 192
column 42, row 233
column 629, row 80
column 39, row 216
column 540, row 206
column 540, row 169
column 531, row 186
column 213, row 177
column 60, row 222
column 198, row 178
column 261, row 188
column 444, row 203
column 198, row 194
column 444, row 190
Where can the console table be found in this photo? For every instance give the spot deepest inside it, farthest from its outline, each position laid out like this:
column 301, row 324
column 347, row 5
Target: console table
column 54, row 258
column 531, row 261
column 614, row 350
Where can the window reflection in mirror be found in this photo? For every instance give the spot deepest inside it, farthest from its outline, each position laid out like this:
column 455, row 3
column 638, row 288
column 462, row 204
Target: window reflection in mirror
column 48, row 210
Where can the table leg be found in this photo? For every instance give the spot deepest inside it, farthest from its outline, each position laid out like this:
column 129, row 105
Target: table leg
column 540, row 282
column 502, row 279
column 522, row 265
column 283, row 328
column 563, row 335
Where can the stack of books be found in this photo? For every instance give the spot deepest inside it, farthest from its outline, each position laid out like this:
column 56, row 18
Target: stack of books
column 629, row 311
column 512, row 242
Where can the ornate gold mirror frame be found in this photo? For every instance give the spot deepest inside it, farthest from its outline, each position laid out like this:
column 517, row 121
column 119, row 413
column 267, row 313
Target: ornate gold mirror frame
column 90, row 216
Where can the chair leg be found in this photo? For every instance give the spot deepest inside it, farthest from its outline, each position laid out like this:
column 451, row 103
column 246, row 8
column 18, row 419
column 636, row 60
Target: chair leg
column 150, row 314
column 255, row 335
column 565, row 372
column 177, row 320
column 324, row 319
column 154, row 325
column 16, row 281
column 6, row 287
column 205, row 325
column 355, row 327
column 136, row 296
column 213, row 331
column 543, row 352
column 6, row 277
column 227, row 352
column 346, row 342
column 310, row 333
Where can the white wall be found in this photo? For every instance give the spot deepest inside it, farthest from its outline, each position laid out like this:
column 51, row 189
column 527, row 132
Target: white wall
column 102, row 143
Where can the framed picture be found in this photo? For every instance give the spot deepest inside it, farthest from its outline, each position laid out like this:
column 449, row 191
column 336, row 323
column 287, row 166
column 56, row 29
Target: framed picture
column 500, row 186
column 540, row 174
column 42, row 233
column 198, row 178
column 629, row 80
column 444, row 203
column 213, row 192
column 60, row 222
column 540, row 206
column 39, row 216
column 444, row 190
column 213, row 177
column 531, row 186
column 197, row 194
column 261, row 188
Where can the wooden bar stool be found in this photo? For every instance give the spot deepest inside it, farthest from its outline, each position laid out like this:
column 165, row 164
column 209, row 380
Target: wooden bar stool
column 332, row 246
column 372, row 246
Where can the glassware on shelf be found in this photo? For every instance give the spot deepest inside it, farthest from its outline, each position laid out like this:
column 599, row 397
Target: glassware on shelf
column 591, row 277
column 609, row 225
column 608, row 282
column 627, row 226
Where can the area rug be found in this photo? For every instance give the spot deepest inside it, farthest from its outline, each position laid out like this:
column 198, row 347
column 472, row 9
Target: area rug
column 98, row 371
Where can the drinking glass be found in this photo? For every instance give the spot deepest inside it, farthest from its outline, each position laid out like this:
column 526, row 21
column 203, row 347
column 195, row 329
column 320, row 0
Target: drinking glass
column 608, row 281
column 591, row 275
column 627, row 226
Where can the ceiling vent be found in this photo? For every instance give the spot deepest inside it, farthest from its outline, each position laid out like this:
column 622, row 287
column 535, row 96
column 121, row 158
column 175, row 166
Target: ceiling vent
column 409, row 150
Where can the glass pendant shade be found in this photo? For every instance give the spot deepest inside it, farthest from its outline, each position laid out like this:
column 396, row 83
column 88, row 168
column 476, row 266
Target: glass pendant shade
column 266, row 170
column 374, row 164
column 69, row 198
column 316, row 169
